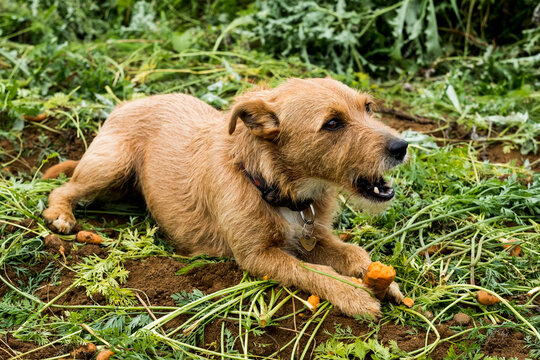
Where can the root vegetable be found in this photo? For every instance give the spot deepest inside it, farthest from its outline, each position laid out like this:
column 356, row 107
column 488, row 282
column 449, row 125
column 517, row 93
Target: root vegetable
column 378, row 278
column 515, row 250
column 314, row 301
column 84, row 352
column 88, row 237
column 408, row 302
column 39, row 117
column 345, row 236
column 434, row 249
column 105, row 354
column 485, row 298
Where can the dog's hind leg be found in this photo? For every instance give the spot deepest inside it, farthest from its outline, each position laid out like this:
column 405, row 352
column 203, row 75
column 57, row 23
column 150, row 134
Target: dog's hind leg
column 106, row 164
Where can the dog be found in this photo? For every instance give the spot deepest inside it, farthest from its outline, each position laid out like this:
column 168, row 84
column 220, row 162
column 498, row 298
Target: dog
column 257, row 183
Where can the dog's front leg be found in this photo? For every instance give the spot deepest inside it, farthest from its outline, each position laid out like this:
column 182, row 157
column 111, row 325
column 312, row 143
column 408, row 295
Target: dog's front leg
column 289, row 271
column 346, row 259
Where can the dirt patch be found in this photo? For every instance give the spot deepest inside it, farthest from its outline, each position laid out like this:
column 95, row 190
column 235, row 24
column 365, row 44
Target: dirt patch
column 37, row 144
column 495, row 154
column 156, row 278
column 503, row 342
column 9, row 344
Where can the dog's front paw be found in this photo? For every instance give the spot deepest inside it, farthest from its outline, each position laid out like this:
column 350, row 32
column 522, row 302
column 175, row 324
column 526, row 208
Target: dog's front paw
column 355, row 301
column 60, row 221
column 394, row 294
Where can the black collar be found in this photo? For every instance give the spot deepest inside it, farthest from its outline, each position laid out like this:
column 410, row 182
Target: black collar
column 272, row 195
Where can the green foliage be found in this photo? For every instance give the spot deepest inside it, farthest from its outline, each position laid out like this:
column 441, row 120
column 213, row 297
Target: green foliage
column 359, row 349
column 380, row 35
column 104, row 276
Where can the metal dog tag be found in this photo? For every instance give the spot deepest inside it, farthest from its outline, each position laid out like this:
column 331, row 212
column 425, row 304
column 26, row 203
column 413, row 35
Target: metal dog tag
column 307, row 240
column 308, row 243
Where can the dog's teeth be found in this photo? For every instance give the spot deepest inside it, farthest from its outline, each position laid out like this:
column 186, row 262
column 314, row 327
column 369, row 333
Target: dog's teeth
column 390, row 182
column 376, row 190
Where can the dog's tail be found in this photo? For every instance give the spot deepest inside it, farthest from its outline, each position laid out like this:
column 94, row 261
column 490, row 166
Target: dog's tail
column 67, row 167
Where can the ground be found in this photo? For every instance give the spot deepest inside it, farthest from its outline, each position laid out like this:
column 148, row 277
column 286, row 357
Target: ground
column 155, row 278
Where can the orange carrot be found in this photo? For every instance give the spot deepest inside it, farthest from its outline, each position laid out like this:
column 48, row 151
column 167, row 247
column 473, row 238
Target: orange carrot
column 314, row 301
column 39, row 117
column 515, row 249
column 84, row 352
column 408, row 302
column 485, row 298
column 105, row 354
column 88, row 237
column 378, row 278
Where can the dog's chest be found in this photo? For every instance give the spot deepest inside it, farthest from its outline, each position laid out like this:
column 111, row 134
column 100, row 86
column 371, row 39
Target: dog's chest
column 293, row 225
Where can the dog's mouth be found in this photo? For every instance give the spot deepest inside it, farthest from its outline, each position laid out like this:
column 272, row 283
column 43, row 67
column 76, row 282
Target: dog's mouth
column 378, row 190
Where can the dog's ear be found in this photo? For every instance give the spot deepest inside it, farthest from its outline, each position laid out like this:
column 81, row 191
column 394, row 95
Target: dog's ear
column 257, row 116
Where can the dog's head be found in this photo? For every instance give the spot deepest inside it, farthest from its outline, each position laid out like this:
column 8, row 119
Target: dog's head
column 322, row 131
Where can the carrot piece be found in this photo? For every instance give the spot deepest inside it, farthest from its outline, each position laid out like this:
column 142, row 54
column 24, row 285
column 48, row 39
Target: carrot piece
column 516, row 249
column 314, row 301
column 379, row 277
column 84, row 352
column 88, row 237
column 105, row 354
column 408, row 302
column 485, row 298
column 39, row 117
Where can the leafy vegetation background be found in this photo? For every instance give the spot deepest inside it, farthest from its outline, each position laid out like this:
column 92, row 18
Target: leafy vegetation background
column 470, row 66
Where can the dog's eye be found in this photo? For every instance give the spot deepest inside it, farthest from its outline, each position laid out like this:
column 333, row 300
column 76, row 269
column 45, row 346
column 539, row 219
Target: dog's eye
column 368, row 108
column 333, row 124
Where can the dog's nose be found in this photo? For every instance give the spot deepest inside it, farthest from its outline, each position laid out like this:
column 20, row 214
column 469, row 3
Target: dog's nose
column 397, row 148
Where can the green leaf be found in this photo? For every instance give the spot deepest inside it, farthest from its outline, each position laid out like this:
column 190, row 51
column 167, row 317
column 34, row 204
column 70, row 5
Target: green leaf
column 451, row 93
column 183, row 41
column 433, row 46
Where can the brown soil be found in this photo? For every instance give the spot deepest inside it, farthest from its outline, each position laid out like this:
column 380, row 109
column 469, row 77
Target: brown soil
column 37, row 144
column 155, row 280
column 9, row 344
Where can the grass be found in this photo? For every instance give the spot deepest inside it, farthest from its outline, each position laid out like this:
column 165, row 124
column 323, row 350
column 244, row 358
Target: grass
column 446, row 196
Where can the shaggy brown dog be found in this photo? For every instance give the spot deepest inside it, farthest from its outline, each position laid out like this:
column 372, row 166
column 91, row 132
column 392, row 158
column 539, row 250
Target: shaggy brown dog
column 262, row 190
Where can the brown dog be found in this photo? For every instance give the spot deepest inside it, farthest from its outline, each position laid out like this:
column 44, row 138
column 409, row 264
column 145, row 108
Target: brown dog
column 262, row 190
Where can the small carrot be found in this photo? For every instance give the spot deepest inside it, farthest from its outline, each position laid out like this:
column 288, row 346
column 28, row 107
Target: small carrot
column 105, row 354
column 88, row 237
column 434, row 249
column 485, row 298
column 379, row 277
column 84, row 352
column 408, row 302
column 314, row 301
column 39, row 117
column 515, row 250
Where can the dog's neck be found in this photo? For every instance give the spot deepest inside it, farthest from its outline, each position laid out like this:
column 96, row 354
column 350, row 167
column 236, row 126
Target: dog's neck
column 273, row 195
column 279, row 185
